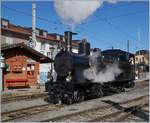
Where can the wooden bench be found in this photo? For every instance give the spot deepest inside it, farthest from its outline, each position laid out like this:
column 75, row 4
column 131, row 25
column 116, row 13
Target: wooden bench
column 13, row 82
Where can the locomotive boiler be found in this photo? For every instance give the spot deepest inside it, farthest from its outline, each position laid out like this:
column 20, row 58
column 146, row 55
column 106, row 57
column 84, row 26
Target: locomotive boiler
column 85, row 74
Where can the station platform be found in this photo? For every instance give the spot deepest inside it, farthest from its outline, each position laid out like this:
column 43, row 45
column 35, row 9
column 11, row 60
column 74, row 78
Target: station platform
column 141, row 80
column 34, row 91
column 22, row 92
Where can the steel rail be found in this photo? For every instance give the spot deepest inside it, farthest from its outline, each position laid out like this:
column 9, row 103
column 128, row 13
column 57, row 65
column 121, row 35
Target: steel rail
column 21, row 97
column 128, row 112
column 36, row 109
column 19, row 113
column 57, row 118
column 131, row 112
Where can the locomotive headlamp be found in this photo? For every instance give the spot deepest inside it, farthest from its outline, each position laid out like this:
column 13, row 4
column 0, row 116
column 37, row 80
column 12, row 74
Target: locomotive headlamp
column 69, row 78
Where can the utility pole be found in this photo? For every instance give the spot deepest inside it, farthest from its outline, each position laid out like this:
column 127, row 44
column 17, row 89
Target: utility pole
column 128, row 46
column 138, row 41
column 127, row 49
column 33, row 25
column 52, row 51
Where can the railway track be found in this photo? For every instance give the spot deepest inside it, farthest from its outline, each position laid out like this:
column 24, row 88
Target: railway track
column 19, row 113
column 91, row 112
column 136, row 115
column 22, row 97
column 133, row 112
column 120, row 115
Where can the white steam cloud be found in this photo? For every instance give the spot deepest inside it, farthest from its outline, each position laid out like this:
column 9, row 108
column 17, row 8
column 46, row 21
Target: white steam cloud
column 108, row 74
column 96, row 74
column 73, row 12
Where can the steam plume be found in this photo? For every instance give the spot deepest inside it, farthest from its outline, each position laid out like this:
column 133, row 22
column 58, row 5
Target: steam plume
column 73, row 12
column 97, row 74
column 105, row 75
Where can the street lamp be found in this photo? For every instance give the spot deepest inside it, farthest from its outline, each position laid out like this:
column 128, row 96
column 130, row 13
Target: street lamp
column 2, row 65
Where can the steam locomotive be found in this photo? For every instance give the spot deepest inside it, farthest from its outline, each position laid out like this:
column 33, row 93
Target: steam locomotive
column 74, row 83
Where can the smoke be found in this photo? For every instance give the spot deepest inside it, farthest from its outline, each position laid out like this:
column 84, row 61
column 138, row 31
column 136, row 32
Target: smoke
column 103, row 74
column 73, row 12
column 93, row 57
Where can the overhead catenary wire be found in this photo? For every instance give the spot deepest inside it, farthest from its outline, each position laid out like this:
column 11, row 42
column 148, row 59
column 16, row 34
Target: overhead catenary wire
column 81, row 28
column 27, row 14
column 116, row 28
column 126, row 14
column 116, row 17
column 114, row 7
column 93, row 35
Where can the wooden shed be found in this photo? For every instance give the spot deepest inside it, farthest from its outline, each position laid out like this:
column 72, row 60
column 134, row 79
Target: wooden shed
column 22, row 65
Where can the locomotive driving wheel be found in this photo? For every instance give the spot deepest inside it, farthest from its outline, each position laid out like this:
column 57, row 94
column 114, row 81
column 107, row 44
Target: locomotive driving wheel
column 55, row 94
column 78, row 96
column 99, row 92
column 122, row 88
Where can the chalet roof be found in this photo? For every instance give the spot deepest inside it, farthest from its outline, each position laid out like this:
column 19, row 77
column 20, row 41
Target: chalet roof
column 28, row 31
column 33, row 53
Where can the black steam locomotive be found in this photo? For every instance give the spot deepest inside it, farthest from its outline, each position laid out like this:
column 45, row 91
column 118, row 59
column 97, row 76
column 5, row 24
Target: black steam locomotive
column 82, row 75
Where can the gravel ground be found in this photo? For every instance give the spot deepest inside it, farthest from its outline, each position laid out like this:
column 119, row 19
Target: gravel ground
column 86, row 105
column 87, row 116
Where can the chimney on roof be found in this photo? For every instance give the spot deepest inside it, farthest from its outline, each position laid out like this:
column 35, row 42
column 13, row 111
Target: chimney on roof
column 34, row 24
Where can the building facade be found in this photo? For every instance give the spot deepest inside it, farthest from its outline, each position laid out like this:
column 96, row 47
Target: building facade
column 142, row 63
column 22, row 65
column 142, row 56
column 46, row 43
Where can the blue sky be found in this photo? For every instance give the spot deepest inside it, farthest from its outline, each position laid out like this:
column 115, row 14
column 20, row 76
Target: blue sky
column 111, row 24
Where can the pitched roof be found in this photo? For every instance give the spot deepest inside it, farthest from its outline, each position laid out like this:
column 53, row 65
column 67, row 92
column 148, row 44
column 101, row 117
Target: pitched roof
column 39, row 56
column 142, row 52
column 28, row 31
column 111, row 53
column 116, row 52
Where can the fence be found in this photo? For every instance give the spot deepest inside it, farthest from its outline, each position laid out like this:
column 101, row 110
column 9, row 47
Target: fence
column 143, row 75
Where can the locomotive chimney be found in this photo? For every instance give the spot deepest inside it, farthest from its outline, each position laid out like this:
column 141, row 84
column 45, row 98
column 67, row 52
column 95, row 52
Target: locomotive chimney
column 68, row 40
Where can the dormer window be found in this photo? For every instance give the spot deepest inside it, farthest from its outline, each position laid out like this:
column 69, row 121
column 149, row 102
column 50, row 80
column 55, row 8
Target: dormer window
column 40, row 32
column 4, row 23
column 58, row 37
column 45, row 34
